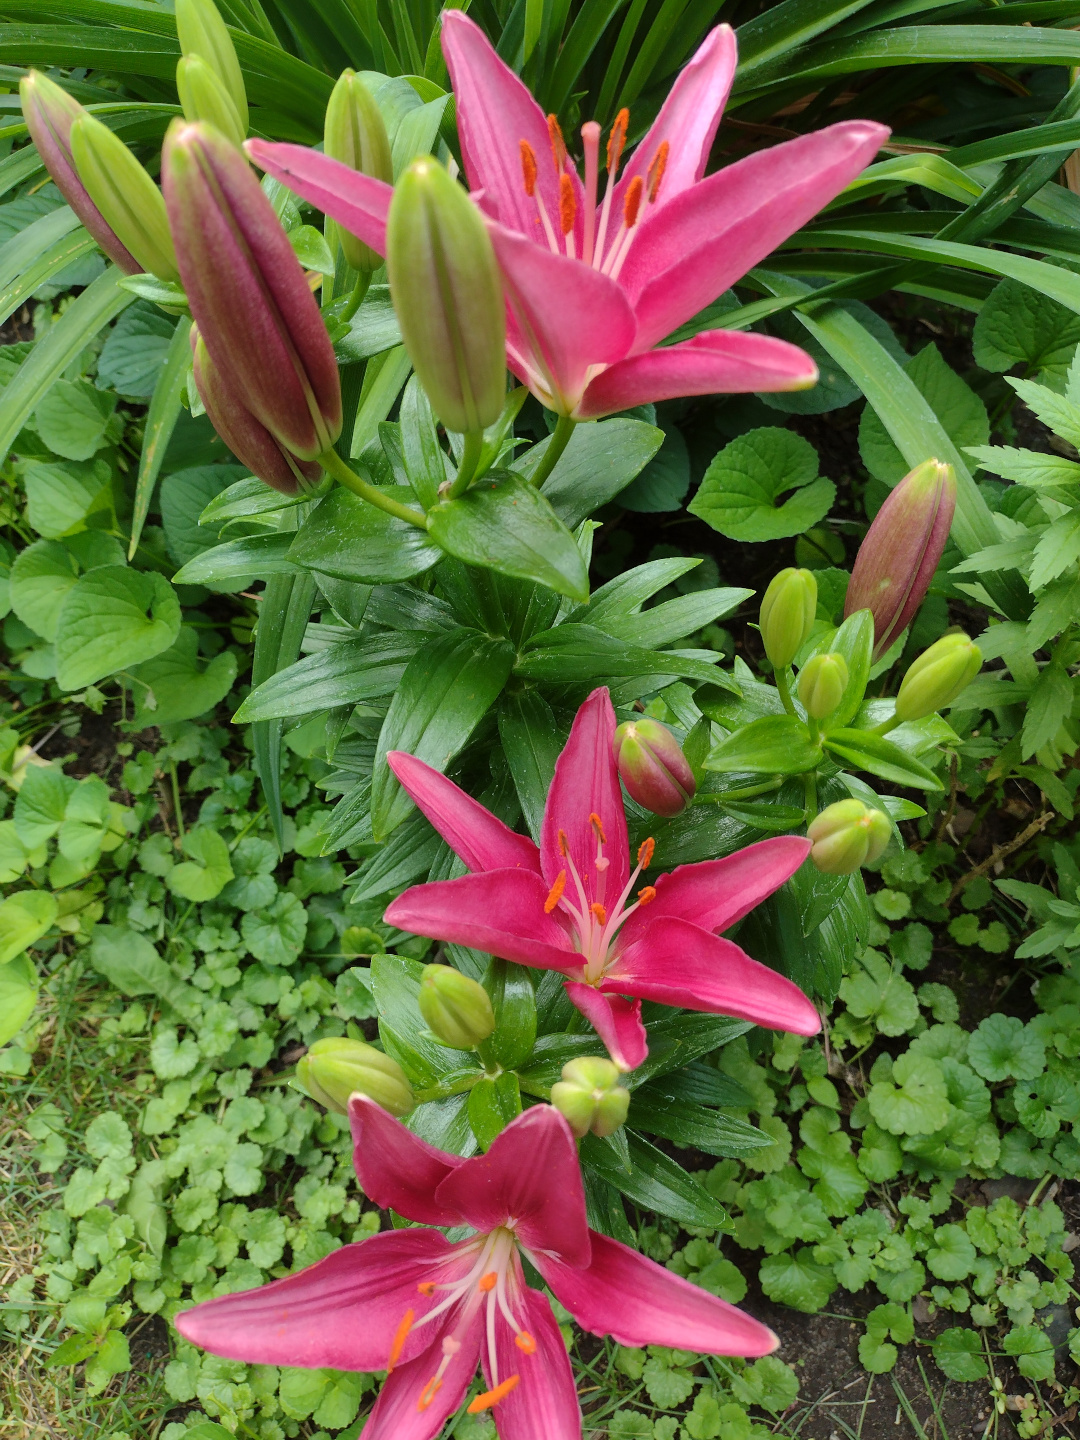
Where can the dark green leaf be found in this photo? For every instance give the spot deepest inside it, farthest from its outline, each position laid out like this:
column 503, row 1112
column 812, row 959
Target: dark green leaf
column 346, row 537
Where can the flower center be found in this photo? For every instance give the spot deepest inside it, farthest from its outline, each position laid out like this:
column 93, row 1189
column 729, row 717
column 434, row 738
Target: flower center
column 596, row 924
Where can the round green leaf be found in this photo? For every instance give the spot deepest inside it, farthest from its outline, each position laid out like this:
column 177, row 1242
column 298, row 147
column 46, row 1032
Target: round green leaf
column 113, row 618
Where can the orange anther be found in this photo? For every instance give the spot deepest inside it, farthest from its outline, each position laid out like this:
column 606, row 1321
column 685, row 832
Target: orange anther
column 558, row 144
column 617, row 139
column 632, row 201
column 528, row 167
column 598, row 828
column 567, row 204
column 428, row 1393
column 525, row 1342
column 492, row 1397
column 644, row 896
column 555, row 894
column 400, row 1337
column 488, row 1281
column 599, row 911
column 645, row 852
column 564, row 844
column 657, row 166
column 426, row 1287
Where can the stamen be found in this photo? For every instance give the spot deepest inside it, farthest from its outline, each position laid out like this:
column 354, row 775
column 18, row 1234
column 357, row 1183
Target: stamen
column 492, row 1397
column 525, row 1342
column 645, row 853
column 598, row 828
column 632, row 201
column 401, row 1335
column 555, row 894
column 528, row 167
column 428, row 1393
column 426, row 1287
column 564, row 844
column 599, row 911
column 487, row 1282
column 644, row 896
column 567, row 210
column 558, row 144
column 616, row 140
column 655, row 173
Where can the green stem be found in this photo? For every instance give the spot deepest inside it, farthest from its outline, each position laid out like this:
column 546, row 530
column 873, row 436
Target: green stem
column 470, row 456
column 747, row 792
column 356, row 298
column 886, row 726
column 781, row 678
column 332, row 462
column 810, row 792
column 560, row 438
column 176, row 798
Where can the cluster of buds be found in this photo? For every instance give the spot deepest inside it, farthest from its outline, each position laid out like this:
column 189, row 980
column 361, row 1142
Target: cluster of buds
column 847, row 835
column 590, row 1096
column 208, row 75
column 334, row 1069
column 457, row 1010
column 653, row 767
column 787, row 615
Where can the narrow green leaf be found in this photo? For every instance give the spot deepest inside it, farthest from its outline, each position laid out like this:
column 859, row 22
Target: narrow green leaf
column 160, row 422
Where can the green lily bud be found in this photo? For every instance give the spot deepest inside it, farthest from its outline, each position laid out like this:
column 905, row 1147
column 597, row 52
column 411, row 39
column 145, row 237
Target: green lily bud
column 822, row 682
column 653, row 767
column 355, row 134
column 124, row 193
column 457, row 1010
column 333, row 1069
column 448, row 296
column 847, row 835
column 590, row 1097
column 787, row 614
column 201, row 31
column 204, row 97
column 937, row 677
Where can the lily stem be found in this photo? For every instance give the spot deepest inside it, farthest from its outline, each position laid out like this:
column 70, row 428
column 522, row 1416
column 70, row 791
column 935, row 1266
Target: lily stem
column 886, row 725
column 784, row 689
column 810, row 792
column 560, row 438
column 331, row 461
column 356, row 299
column 470, row 457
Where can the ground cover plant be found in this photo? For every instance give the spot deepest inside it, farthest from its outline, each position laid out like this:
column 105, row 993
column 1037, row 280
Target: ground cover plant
column 349, row 678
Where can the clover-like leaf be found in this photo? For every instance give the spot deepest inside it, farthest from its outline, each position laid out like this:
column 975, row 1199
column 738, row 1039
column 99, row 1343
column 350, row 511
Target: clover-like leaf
column 1003, row 1047
column 915, row 1101
column 276, row 935
column 795, row 1278
column 959, row 1354
column 207, row 870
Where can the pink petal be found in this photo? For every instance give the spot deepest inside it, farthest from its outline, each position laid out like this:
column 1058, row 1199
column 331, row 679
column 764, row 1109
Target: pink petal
column 544, row 1404
column 680, row 964
column 500, row 911
column 562, row 315
column 691, row 249
column 586, row 783
column 716, row 893
column 480, row 838
column 716, row 362
column 615, row 1020
column 531, row 1176
column 397, row 1169
column 640, row 1303
column 357, row 201
column 342, row 1312
column 397, row 1414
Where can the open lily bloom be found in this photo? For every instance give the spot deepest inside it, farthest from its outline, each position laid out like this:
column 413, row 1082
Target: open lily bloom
column 593, row 283
column 426, row 1310
column 570, row 904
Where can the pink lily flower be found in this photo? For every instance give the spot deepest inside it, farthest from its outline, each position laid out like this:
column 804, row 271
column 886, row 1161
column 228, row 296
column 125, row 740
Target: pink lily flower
column 594, row 284
column 569, row 904
column 425, row 1310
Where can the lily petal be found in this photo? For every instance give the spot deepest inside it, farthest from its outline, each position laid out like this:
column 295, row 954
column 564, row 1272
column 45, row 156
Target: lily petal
column 544, row 1404
column 397, row 1414
column 717, row 362
column 357, row 201
column 471, row 831
column 586, row 783
column 531, row 1175
column 562, row 316
column 716, row 893
column 677, row 963
column 640, row 1303
column 615, row 1020
column 366, row 1288
column 690, row 250
column 397, row 1169
column 500, row 911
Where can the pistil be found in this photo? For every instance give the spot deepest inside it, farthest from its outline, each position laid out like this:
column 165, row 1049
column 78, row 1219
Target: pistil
column 590, row 140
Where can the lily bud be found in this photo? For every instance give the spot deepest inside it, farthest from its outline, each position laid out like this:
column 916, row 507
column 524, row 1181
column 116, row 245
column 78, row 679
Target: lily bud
column 334, row 1069
column 204, row 97
column 49, row 112
column 448, row 296
column 822, row 682
column 653, row 768
column 900, row 553
column 937, row 677
column 787, row 614
column 847, row 835
column 201, row 31
column 124, row 193
column 247, row 291
column 457, row 1010
column 355, row 134
column 590, row 1097
column 250, row 442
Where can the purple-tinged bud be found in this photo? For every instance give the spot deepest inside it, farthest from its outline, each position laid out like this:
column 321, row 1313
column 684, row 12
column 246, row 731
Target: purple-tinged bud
column 125, row 194
column 250, row 442
column 652, row 766
column 50, row 112
column 590, row 1097
column 937, row 676
column 787, row 614
column 203, row 96
column 847, row 835
column 457, row 1009
column 900, row 553
column 822, row 682
column 337, row 1067
column 354, row 133
column 247, row 291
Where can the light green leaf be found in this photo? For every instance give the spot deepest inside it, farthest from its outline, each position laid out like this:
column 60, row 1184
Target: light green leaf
column 915, row 1101
column 73, row 418
column 60, row 497
column 18, row 996
column 740, row 494
column 24, row 918
column 795, row 1278
column 112, row 618
column 276, row 935
column 41, row 576
column 207, row 870
column 179, row 687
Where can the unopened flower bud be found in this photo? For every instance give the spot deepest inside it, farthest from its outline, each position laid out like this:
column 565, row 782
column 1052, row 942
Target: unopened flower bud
column 652, row 766
column 787, row 614
column 125, row 195
column 333, row 1069
column 204, row 97
column 355, row 134
column 201, row 31
column 457, row 1010
column 900, row 553
column 590, row 1097
column 448, row 296
column 822, row 682
column 937, row 677
column 49, row 112
column 847, row 835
